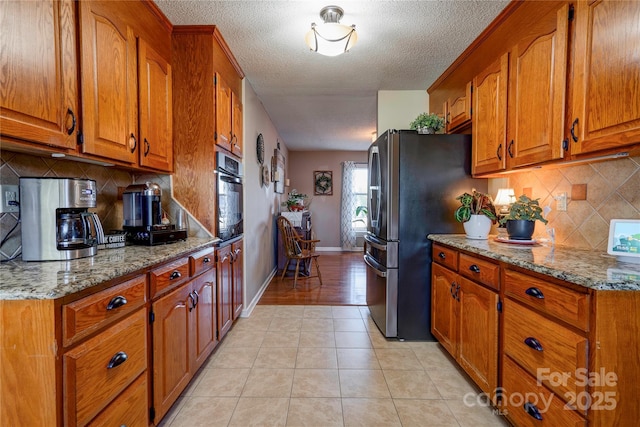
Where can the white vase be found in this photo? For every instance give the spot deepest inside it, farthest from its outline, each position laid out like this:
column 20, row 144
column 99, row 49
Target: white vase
column 477, row 227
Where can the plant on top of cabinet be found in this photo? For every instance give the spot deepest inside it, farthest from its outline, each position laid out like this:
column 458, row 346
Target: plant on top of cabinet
column 427, row 123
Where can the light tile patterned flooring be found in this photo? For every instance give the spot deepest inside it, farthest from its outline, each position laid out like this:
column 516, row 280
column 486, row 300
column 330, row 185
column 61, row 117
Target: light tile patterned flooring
column 326, row 366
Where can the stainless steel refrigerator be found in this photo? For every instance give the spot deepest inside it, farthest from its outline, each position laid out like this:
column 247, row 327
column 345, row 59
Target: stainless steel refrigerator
column 413, row 184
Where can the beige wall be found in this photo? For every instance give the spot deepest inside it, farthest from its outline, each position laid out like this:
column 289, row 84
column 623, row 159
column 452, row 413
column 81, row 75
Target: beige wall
column 325, row 210
column 613, row 191
column 398, row 108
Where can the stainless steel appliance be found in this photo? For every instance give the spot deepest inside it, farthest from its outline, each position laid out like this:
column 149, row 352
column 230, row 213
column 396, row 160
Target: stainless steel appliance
column 142, row 206
column 229, row 197
column 413, row 184
column 56, row 224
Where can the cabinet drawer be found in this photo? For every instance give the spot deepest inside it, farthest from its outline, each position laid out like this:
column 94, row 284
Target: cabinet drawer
column 481, row 271
column 168, row 276
column 445, row 256
column 89, row 381
column 129, row 409
column 201, row 261
column 565, row 304
column 521, row 391
column 546, row 349
column 83, row 317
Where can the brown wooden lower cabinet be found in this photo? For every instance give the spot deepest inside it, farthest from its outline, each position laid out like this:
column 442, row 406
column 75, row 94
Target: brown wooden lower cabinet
column 568, row 354
column 224, row 289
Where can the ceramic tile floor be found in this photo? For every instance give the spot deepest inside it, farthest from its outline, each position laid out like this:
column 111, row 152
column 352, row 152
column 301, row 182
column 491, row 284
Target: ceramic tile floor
column 325, row 366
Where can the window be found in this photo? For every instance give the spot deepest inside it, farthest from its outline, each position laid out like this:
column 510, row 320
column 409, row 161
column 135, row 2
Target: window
column 359, row 188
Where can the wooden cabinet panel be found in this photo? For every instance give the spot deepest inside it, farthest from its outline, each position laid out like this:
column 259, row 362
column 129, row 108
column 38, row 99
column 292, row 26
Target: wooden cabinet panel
column 108, row 80
column 536, row 342
column 522, row 389
column 168, row 276
column 606, row 77
column 236, row 128
column 490, row 117
column 538, row 75
column 85, row 316
column 203, row 331
column 201, row 261
column 565, row 304
column 443, row 307
column 478, row 334
column 130, row 409
column 39, row 100
column 481, row 271
column 156, row 134
column 458, row 110
column 223, row 113
column 238, row 282
column 445, row 256
column 98, row 370
column 171, row 372
column 224, row 290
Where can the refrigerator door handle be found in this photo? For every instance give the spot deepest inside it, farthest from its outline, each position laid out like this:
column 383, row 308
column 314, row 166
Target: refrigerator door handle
column 374, row 156
column 375, row 242
column 371, row 262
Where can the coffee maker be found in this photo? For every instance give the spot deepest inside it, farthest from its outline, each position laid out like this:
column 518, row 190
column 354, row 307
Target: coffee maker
column 143, row 216
column 56, row 223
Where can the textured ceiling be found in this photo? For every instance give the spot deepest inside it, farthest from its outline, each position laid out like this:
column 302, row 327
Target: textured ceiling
column 330, row 103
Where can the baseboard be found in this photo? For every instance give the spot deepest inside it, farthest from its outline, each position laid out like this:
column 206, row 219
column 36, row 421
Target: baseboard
column 337, row 249
column 246, row 312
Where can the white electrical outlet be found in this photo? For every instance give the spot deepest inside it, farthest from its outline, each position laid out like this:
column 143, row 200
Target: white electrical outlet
column 9, row 193
column 561, row 202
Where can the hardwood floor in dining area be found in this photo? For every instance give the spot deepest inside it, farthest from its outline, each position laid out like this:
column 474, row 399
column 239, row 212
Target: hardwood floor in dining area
column 343, row 283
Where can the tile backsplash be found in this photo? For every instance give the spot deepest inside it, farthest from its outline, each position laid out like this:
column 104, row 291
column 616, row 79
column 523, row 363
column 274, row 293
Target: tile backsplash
column 108, row 179
column 613, row 191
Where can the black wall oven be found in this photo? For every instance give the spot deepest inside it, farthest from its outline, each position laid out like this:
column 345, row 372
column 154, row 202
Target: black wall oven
column 229, row 197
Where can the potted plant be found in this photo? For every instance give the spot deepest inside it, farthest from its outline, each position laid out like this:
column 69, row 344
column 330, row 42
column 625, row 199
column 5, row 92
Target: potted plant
column 476, row 213
column 295, row 201
column 521, row 218
column 427, row 123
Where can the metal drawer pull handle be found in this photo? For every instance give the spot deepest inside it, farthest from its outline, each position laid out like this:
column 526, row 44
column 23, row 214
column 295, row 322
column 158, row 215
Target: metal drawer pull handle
column 532, row 411
column 73, row 121
column 453, row 286
column 206, row 259
column 116, row 302
column 533, row 343
column 176, row 274
column 197, row 296
column 534, row 292
column 474, row 268
column 118, row 359
column 442, row 255
column 193, row 301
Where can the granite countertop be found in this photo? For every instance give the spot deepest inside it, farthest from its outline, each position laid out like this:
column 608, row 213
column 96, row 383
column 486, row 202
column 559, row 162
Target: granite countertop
column 21, row 280
column 589, row 268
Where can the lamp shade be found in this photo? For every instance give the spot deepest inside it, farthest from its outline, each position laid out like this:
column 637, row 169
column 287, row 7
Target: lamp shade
column 504, row 198
column 331, row 38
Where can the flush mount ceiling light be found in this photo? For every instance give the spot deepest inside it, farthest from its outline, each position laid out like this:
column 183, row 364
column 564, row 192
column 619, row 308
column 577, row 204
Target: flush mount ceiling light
column 331, row 38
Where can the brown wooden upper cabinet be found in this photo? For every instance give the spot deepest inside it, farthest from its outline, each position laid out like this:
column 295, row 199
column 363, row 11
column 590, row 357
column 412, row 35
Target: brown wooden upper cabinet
column 39, row 101
column 457, row 111
column 156, row 149
column 236, row 122
column 223, row 134
column 606, row 77
column 490, row 117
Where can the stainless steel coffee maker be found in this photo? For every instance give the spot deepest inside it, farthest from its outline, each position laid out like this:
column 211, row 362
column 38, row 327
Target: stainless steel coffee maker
column 56, row 223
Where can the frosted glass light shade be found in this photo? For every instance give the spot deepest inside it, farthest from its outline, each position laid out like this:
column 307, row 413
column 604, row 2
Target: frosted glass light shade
column 504, row 198
column 331, row 39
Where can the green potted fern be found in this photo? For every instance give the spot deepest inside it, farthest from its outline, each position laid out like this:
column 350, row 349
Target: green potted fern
column 522, row 217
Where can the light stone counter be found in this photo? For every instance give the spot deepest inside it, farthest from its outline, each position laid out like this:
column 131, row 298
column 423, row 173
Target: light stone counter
column 589, row 268
column 21, row 280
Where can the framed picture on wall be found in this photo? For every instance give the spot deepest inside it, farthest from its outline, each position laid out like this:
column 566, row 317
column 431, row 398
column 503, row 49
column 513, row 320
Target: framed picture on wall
column 323, row 183
column 277, row 171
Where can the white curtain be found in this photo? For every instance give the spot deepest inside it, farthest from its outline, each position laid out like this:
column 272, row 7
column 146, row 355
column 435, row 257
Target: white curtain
column 348, row 207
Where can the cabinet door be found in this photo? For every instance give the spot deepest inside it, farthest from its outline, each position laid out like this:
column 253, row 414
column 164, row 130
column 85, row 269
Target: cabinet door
column 606, row 84
column 236, row 130
column 204, row 318
column 458, row 110
column 156, row 135
column 38, row 100
column 478, row 334
column 490, row 117
column 171, row 372
column 443, row 307
column 224, row 303
column 223, row 113
column 238, row 282
column 108, row 80
column 537, row 94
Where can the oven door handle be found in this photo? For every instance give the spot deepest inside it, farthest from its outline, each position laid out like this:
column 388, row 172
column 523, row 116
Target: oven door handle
column 376, row 243
column 375, row 266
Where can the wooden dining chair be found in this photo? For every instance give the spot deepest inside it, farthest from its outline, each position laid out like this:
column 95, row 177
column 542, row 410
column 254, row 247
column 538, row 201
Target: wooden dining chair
column 298, row 249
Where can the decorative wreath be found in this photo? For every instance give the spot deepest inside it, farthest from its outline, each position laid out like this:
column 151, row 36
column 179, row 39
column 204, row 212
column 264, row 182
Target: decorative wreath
column 323, row 183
